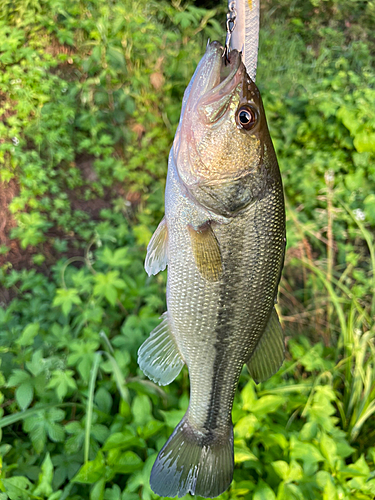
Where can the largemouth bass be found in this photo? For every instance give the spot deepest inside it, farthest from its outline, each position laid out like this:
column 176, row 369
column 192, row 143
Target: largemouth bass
column 223, row 239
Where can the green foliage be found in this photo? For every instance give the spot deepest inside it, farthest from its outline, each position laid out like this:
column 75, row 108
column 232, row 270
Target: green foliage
column 90, row 95
column 322, row 121
column 98, row 107
column 89, row 424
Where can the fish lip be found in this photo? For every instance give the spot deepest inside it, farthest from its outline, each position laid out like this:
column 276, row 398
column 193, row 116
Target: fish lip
column 222, row 85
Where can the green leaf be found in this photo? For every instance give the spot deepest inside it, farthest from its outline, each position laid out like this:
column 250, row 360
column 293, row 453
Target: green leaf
column 308, row 431
column 66, row 297
column 82, row 356
column 343, row 448
column 37, row 365
column 113, row 493
column 328, row 448
column 28, row 334
column 290, row 491
column 361, row 466
column 44, row 487
column 365, row 141
column 263, row 492
column 123, row 440
column 23, row 415
column 107, row 285
column 306, row 452
column 44, row 424
column 75, row 443
column 326, row 482
column 350, row 119
column 92, row 471
column 152, row 427
column 143, row 234
column 100, row 432
column 272, row 439
column 97, row 492
column 369, row 203
column 24, row 394
column 243, row 454
column 246, row 426
column 126, row 463
column 267, row 404
column 18, row 377
column 173, row 417
column 295, row 472
column 281, row 469
column 248, row 396
column 141, row 409
column 62, row 381
column 103, row 400
column 119, row 377
column 116, row 258
column 17, row 488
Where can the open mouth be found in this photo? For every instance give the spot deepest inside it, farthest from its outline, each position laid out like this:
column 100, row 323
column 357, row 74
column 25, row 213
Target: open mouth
column 230, row 61
column 225, row 72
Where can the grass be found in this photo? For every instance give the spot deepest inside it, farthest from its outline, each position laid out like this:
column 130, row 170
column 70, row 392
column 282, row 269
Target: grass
column 106, row 101
column 351, row 332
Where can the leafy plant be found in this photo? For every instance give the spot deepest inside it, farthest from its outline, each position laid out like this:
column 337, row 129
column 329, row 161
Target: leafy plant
column 89, row 102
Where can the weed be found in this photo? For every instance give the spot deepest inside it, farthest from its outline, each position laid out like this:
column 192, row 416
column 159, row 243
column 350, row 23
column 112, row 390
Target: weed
column 90, row 100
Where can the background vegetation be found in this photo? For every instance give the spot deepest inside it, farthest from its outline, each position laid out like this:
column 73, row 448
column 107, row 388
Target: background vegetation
column 90, row 93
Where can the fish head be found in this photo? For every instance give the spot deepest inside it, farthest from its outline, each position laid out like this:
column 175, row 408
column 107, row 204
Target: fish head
column 222, row 138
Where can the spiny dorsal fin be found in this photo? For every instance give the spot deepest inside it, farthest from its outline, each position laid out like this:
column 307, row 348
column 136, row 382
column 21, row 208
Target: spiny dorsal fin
column 206, row 251
column 269, row 353
column 156, row 258
column 159, row 357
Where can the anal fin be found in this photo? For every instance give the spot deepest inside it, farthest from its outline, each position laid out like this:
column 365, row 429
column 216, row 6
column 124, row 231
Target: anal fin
column 156, row 258
column 269, row 353
column 159, row 357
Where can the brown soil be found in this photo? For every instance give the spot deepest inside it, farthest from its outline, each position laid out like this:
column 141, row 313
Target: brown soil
column 93, row 206
column 6, row 109
column 15, row 258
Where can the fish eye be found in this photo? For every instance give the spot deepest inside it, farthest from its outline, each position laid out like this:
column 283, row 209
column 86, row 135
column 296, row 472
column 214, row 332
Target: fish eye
column 247, row 117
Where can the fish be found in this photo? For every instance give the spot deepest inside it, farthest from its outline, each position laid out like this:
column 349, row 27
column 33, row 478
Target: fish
column 223, row 240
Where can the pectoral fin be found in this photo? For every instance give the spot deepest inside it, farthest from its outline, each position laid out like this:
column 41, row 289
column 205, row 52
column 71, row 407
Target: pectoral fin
column 206, row 251
column 156, row 258
column 269, row 353
column 159, row 357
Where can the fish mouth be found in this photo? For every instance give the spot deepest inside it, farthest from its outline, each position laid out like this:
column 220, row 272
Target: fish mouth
column 223, row 73
column 215, row 78
column 209, row 101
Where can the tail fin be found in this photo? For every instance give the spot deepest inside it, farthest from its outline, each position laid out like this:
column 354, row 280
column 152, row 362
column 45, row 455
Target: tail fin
column 192, row 462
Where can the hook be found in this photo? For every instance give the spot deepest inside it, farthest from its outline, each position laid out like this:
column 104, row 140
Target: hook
column 231, row 24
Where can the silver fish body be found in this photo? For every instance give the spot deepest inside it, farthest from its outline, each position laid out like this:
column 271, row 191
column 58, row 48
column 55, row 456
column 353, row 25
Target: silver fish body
column 223, row 238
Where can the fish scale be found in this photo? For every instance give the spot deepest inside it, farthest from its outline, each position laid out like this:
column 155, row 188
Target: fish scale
column 223, row 239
